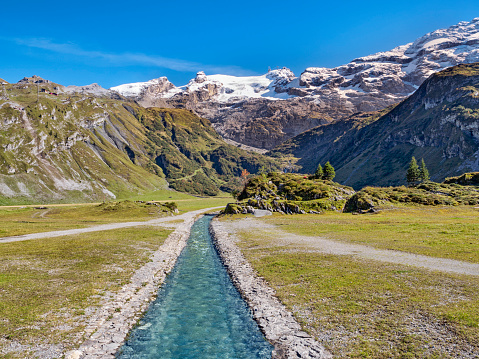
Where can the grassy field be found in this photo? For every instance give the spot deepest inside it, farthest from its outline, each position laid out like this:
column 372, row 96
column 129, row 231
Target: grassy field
column 24, row 220
column 368, row 309
column 20, row 220
column 447, row 232
column 47, row 286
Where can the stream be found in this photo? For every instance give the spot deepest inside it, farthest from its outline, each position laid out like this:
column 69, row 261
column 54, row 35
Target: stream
column 198, row 312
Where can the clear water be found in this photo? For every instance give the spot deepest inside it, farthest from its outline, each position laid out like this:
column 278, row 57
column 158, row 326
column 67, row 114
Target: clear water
column 198, row 313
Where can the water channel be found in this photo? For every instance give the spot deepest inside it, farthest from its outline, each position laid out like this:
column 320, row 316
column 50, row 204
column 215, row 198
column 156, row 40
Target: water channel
column 198, row 312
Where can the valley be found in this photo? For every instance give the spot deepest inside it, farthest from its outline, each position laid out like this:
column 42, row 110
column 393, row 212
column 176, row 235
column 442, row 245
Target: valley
column 336, row 245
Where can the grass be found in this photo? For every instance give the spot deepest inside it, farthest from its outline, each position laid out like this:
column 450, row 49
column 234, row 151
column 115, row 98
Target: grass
column 45, row 284
column 368, row 309
column 30, row 219
column 199, row 203
column 446, row 232
column 24, row 220
column 185, row 202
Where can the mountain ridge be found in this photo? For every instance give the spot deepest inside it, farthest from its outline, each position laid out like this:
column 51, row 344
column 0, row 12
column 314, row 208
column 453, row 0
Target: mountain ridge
column 367, row 83
column 439, row 123
column 60, row 145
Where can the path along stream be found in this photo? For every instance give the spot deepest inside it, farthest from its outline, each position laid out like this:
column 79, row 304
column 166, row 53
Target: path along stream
column 198, row 312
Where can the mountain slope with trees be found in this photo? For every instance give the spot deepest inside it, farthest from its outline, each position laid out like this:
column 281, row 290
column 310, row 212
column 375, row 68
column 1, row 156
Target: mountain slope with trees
column 58, row 144
column 438, row 123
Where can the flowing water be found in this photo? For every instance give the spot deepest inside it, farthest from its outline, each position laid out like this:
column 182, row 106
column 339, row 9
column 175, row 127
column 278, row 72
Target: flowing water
column 198, row 313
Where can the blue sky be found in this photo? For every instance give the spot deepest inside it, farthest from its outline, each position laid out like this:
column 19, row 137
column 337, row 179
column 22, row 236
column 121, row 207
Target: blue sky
column 115, row 42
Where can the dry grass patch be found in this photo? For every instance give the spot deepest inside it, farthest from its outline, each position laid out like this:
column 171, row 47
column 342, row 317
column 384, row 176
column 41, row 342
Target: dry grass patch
column 366, row 309
column 48, row 286
column 446, row 232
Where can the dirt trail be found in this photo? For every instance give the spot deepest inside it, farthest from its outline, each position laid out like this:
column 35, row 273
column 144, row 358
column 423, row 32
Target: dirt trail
column 328, row 246
column 103, row 227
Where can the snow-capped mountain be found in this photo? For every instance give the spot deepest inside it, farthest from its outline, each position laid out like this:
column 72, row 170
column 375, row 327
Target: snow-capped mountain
column 221, row 88
column 367, row 83
column 400, row 71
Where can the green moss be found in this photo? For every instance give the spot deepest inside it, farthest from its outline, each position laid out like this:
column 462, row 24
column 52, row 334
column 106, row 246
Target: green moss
column 293, row 193
column 428, row 194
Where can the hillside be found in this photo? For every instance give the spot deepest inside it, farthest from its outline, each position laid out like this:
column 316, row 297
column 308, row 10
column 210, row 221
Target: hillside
column 192, row 155
column 428, row 194
column 437, row 123
column 289, row 193
column 82, row 145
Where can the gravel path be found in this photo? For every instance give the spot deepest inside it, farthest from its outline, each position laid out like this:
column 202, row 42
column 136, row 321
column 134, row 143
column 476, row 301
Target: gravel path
column 335, row 247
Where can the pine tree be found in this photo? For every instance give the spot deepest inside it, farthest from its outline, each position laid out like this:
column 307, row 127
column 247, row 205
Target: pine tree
column 329, row 172
column 319, row 172
column 423, row 172
column 412, row 174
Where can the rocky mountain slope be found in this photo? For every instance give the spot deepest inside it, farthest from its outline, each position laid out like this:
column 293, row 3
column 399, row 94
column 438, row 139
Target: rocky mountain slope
column 265, row 110
column 77, row 144
column 439, row 122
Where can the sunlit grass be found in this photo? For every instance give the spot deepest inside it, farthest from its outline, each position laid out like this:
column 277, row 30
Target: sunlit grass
column 447, row 232
column 362, row 308
column 51, row 282
column 372, row 304
column 18, row 221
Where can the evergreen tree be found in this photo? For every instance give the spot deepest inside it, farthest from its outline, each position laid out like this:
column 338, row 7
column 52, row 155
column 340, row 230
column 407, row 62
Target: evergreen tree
column 423, row 172
column 319, row 172
column 329, row 172
column 412, row 174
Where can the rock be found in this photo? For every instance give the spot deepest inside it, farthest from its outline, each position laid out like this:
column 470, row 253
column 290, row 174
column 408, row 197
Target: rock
column 200, row 77
column 73, row 354
column 33, row 80
column 262, row 212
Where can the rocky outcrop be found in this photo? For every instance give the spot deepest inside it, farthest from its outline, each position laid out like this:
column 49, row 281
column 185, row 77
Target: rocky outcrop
column 93, row 89
column 263, row 123
column 33, row 80
column 275, row 321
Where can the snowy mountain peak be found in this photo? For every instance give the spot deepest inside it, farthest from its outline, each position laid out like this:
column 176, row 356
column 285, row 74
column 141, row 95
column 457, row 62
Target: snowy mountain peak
column 367, row 83
column 201, row 77
column 134, row 90
column 398, row 72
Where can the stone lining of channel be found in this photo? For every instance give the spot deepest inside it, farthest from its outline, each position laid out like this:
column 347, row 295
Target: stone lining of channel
column 108, row 329
column 277, row 324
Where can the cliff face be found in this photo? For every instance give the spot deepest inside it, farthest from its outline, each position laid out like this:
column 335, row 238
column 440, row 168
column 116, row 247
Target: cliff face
column 439, row 123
